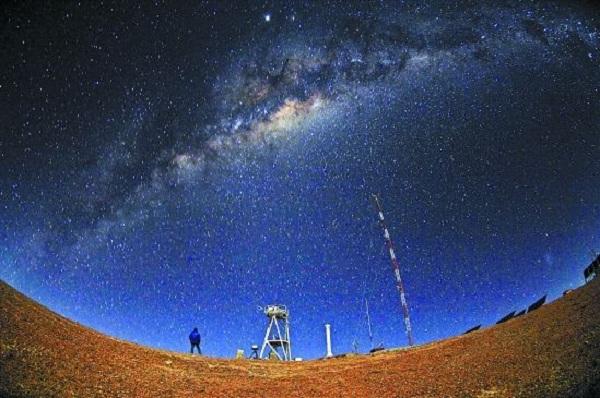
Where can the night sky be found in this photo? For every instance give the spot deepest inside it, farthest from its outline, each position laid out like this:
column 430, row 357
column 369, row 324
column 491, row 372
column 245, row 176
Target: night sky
column 173, row 165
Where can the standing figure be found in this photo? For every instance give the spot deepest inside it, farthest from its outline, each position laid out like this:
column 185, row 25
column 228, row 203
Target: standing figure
column 195, row 341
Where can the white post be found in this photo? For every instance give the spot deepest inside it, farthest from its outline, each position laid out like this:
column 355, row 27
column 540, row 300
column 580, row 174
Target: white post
column 328, row 336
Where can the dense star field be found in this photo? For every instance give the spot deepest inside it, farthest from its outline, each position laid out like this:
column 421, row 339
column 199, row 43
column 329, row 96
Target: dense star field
column 171, row 165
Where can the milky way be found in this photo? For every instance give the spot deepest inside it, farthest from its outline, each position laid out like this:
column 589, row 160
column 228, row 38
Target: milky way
column 173, row 166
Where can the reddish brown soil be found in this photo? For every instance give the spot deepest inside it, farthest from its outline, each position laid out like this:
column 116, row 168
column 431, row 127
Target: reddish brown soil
column 552, row 352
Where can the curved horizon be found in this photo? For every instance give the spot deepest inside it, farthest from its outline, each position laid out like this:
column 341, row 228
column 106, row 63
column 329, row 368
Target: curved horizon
column 175, row 166
column 548, row 352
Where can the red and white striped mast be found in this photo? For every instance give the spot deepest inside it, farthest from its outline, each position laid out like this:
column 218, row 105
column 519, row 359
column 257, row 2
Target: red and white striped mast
column 396, row 268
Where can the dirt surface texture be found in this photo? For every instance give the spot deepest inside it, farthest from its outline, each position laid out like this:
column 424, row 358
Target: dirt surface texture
column 551, row 352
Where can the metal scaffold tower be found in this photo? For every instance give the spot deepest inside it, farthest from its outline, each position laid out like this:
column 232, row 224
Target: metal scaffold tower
column 396, row 268
column 277, row 338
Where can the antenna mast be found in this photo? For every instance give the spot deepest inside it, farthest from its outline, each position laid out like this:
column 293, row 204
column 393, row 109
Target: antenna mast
column 396, row 268
column 369, row 322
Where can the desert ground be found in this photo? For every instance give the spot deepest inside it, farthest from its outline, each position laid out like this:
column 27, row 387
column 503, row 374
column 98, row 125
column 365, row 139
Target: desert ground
column 551, row 352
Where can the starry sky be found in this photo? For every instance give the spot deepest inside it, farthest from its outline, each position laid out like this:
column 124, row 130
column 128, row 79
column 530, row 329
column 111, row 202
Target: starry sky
column 173, row 165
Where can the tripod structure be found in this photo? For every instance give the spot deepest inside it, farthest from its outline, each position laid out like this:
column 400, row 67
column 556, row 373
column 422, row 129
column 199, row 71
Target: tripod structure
column 277, row 338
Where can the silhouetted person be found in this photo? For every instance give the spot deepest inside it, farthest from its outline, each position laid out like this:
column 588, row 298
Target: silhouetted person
column 195, row 341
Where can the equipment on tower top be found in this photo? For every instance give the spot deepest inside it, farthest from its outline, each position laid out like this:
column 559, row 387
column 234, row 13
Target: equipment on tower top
column 396, row 268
